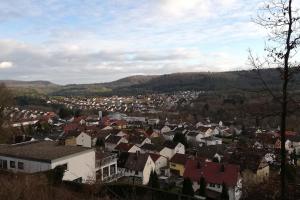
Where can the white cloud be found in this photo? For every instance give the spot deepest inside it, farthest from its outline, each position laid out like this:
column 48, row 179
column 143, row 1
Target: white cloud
column 5, row 64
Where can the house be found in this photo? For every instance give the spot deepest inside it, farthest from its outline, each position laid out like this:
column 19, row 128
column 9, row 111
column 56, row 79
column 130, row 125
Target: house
column 168, row 135
column 151, row 133
column 153, row 121
column 139, row 140
column 112, row 141
column 295, row 140
column 165, row 129
column 212, row 152
column 254, row 167
column 171, row 148
column 107, row 167
column 215, row 175
column 127, row 147
column 69, row 138
column 139, row 165
column 211, row 140
column 84, row 140
column 177, row 164
column 194, row 136
column 148, row 148
column 39, row 156
column 161, row 164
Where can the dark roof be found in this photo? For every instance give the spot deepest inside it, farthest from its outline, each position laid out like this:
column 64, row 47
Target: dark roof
column 294, row 138
column 124, row 146
column 44, row 151
column 101, row 155
column 251, row 160
column 154, row 157
column 149, row 147
column 170, row 144
column 113, row 139
column 136, row 161
column 122, row 159
column 179, row 159
column 135, row 139
column 210, row 151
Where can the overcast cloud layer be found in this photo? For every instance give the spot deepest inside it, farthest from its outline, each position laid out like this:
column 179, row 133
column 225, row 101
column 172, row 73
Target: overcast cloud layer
column 85, row 41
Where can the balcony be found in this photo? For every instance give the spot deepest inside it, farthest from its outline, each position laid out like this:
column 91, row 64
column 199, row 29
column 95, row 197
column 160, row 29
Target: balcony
column 106, row 161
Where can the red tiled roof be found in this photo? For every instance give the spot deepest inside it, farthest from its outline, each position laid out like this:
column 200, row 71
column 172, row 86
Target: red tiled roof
column 212, row 172
column 71, row 127
column 179, row 159
column 287, row 133
column 154, row 157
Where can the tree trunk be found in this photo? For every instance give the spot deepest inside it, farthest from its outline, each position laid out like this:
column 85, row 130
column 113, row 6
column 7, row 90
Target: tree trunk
column 284, row 103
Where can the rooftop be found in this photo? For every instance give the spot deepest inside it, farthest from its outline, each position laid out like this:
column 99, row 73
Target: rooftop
column 44, row 151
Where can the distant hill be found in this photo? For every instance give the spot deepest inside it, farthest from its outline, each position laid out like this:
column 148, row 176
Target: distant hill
column 31, row 87
column 206, row 81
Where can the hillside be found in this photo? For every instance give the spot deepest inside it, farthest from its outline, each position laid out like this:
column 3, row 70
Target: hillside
column 206, row 81
column 31, row 87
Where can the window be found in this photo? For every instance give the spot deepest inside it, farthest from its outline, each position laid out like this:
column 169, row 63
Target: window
column 105, row 172
column 12, row 164
column 4, row 164
column 20, row 165
column 112, row 169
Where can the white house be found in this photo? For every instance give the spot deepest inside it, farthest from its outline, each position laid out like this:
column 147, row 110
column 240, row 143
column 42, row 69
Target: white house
column 168, row 135
column 171, row 148
column 165, row 129
column 139, row 165
column 127, row 147
column 84, row 140
column 112, row 141
column 32, row 157
column 161, row 163
column 107, row 167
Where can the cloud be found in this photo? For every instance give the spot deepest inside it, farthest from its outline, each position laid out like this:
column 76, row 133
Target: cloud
column 40, row 62
column 5, row 64
column 68, row 41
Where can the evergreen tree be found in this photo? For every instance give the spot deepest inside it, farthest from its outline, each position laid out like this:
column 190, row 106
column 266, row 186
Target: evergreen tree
column 100, row 143
column 56, row 175
column 202, row 187
column 179, row 137
column 153, row 180
column 187, row 187
column 224, row 193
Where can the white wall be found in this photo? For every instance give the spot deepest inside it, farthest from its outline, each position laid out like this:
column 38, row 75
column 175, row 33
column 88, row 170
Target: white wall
column 134, row 149
column 159, row 163
column 79, row 165
column 149, row 167
column 84, row 140
column 29, row 165
column 179, row 149
column 166, row 152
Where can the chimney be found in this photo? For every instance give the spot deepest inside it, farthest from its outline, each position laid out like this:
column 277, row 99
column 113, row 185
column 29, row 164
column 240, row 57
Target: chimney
column 100, row 115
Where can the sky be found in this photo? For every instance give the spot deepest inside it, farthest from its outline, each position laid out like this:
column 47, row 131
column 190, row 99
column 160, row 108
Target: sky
column 88, row 41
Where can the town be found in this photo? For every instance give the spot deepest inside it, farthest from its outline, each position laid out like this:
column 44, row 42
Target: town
column 218, row 159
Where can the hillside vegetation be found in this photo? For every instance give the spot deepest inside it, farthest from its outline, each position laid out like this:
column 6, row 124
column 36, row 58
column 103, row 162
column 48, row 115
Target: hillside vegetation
column 206, row 81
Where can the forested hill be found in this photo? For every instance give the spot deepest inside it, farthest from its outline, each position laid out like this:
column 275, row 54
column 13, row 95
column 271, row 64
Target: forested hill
column 206, row 81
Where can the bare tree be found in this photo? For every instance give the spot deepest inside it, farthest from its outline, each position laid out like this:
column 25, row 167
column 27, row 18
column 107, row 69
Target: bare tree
column 282, row 21
column 5, row 101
